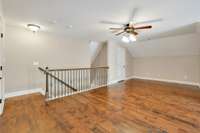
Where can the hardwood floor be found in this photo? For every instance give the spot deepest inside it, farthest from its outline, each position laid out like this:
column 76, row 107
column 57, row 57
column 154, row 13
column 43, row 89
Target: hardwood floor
column 134, row 106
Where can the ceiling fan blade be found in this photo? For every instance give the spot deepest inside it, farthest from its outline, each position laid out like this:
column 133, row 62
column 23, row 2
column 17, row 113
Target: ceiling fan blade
column 116, row 28
column 110, row 22
column 120, row 33
column 149, row 21
column 133, row 14
column 116, row 31
column 143, row 27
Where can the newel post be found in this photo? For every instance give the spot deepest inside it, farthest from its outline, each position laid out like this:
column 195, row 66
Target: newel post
column 47, row 82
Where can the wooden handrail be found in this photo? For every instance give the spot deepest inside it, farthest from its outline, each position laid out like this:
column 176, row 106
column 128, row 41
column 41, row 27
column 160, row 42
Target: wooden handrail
column 89, row 68
column 46, row 72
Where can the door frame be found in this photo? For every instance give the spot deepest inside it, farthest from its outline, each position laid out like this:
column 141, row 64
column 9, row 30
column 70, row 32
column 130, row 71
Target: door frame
column 122, row 64
column 2, row 81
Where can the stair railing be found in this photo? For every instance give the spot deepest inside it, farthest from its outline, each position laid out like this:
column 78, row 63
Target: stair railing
column 65, row 82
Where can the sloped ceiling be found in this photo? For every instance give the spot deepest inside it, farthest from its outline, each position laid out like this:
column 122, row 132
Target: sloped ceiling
column 55, row 16
column 179, row 45
column 85, row 15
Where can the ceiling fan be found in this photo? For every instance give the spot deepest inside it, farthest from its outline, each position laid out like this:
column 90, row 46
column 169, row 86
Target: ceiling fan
column 130, row 28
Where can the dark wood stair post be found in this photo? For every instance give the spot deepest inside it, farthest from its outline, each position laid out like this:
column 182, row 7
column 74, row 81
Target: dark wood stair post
column 47, row 83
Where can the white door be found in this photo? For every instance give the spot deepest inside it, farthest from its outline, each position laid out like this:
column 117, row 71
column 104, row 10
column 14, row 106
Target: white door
column 120, row 58
column 1, row 64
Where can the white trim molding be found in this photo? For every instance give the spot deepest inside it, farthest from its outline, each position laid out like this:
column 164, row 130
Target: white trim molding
column 168, row 81
column 24, row 92
column 116, row 81
column 1, row 107
column 113, row 82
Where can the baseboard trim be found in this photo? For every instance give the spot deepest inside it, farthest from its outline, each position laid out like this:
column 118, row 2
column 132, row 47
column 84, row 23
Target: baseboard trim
column 116, row 81
column 168, row 81
column 24, row 92
column 113, row 82
column 42, row 91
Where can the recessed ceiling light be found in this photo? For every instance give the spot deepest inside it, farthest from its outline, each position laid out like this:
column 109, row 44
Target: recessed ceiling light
column 33, row 27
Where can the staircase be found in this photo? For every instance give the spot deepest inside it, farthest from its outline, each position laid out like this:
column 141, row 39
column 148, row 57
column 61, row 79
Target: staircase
column 65, row 82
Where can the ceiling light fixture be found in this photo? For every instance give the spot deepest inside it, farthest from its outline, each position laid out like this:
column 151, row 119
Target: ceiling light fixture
column 33, row 27
column 125, row 39
column 132, row 38
column 128, row 39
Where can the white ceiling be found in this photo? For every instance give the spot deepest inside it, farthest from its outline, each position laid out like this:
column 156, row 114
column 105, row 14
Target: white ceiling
column 85, row 15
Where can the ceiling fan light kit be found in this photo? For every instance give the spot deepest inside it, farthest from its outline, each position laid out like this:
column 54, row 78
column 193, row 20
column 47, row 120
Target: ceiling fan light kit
column 33, row 27
column 129, row 38
column 125, row 39
column 130, row 28
column 132, row 38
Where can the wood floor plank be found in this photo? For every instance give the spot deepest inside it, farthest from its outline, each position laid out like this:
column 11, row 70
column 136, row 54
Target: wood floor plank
column 133, row 106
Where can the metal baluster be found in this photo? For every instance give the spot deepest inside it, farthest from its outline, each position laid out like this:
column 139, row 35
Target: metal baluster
column 95, row 78
column 69, row 78
column 65, row 88
column 50, row 91
column 59, row 84
column 47, row 84
column 88, row 78
column 64, row 81
column 72, row 80
column 85, row 79
column 62, row 86
column 104, row 76
column 81, row 80
column 56, row 84
column 52, row 88
column 69, row 81
column 76, row 80
column 101, row 73
column 98, row 77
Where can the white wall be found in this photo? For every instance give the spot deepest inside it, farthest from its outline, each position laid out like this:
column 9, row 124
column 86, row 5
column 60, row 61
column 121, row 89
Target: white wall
column 128, row 64
column 177, row 68
column 112, row 61
column 101, row 57
column 173, row 58
column 187, row 44
column 23, row 48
